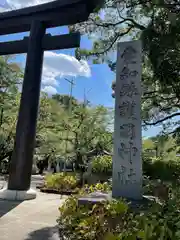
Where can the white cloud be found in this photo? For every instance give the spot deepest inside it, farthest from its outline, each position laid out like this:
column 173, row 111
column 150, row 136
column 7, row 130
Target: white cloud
column 2, row 9
column 49, row 77
column 58, row 64
column 49, row 90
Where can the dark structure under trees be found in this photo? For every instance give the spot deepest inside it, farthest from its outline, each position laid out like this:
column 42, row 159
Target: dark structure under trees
column 36, row 19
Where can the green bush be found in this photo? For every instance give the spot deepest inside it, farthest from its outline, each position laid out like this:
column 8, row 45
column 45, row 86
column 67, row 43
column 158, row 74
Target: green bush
column 102, row 164
column 116, row 220
column 157, row 168
column 103, row 187
column 61, row 181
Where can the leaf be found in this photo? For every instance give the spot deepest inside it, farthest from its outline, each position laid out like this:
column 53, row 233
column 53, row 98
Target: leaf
column 111, row 236
column 141, row 234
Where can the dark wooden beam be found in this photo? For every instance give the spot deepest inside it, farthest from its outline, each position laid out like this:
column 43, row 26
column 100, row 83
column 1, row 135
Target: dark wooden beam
column 15, row 47
column 53, row 14
column 65, row 41
column 50, row 7
column 14, row 23
column 41, row 8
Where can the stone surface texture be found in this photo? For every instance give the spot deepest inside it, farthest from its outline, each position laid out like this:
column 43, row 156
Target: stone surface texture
column 6, row 194
column 30, row 220
column 94, row 198
column 127, row 163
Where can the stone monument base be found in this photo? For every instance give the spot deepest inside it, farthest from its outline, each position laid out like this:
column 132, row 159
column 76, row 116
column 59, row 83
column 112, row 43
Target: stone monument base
column 94, row 198
column 13, row 195
column 99, row 197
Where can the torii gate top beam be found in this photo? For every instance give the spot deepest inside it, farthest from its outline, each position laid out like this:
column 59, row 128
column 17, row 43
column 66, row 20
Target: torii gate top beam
column 53, row 14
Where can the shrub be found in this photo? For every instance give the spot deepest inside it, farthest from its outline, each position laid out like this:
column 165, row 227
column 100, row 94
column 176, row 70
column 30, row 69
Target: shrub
column 61, row 181
column 157, row 168
column 117, row 220
column 103, row 187
column 102, row 164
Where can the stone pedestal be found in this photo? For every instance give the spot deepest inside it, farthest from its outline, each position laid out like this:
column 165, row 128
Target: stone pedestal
column 13, row 195
column 99, row 197
column 94, row 198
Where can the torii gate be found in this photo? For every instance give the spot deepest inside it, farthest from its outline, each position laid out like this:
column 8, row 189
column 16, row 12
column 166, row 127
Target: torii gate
column 35, row 19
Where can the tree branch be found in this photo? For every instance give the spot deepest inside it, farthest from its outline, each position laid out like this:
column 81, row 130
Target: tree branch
column 163, row 119
column 137, row 25
column 106, row 24
column 149, row 93
column 158, row 98
column 112, row 42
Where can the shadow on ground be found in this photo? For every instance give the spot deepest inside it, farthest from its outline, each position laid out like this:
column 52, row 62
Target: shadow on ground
column 7, row 206
column 48, row 233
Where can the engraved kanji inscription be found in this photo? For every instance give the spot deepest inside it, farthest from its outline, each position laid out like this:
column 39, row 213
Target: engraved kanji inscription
column 129, row 55
column 129, row 90
column 132, row 176
column 131, row 173
column 122, row 175
column 133, row 73
column 125, row 176
column 127, row 73
column 127, row 109
column 130, row 151
column 127, row 131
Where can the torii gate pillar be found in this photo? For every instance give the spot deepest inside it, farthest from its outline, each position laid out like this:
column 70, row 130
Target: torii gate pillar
column 21, row 162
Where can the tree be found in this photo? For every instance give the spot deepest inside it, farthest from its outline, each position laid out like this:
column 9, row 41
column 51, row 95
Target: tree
column 11, row 76
column 87, row 128
column 64, row 100
column 49, row 131
column 149, row 148
column 156, row 23
column 166, row 147
column 71, row 136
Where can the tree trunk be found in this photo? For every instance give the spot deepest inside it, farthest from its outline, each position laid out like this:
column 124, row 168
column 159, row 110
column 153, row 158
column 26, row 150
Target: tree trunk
column 1, row 118
column 79, row 169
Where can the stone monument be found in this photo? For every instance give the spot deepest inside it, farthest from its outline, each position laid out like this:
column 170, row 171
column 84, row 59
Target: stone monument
column 127, row 163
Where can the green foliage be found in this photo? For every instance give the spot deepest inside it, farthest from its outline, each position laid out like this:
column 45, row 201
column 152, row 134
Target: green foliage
column 118, row 220
column 158, row 168
column 160, row 158
column 148, row 144
column 11, row 76
column 66, row 100
column 102, row 164
column 72, row 135
column 102, row 187
column 61, row 181
column 157, row 25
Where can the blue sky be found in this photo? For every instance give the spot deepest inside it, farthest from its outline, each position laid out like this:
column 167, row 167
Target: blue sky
column 96, row 85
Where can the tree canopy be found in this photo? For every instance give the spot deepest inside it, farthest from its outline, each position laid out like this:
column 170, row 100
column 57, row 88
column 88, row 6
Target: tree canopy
column 156, row 23
column 71, row 133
